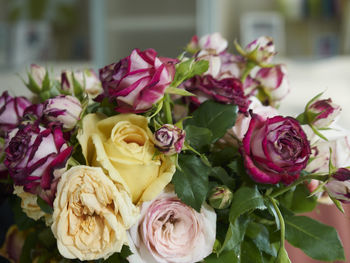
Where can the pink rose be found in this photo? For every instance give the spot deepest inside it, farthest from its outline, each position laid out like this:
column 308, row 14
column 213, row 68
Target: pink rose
column 231, row 65
column 171, row 232
column 242, row 122
column 11, row 111
column 137, row 81
column 213, row 60
column 327, row 112
column 274, row 82
column 275, row 149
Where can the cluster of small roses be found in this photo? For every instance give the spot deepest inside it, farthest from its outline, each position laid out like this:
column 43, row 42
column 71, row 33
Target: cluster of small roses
column 102, row 151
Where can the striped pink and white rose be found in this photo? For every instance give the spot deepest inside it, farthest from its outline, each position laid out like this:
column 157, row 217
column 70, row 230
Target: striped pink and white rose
column 275, row 149
column 137, row 81
column 32, row 155
column 11, row 111
column 64, row 109
column 262, row 49
column 169, row 139
column 327, row 112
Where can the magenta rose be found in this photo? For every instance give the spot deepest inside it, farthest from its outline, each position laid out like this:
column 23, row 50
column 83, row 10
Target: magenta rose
column 32, row 155
column 275, row 149
column 171, row 232
column 227, row 90
column 11, row 111
column 137, row 81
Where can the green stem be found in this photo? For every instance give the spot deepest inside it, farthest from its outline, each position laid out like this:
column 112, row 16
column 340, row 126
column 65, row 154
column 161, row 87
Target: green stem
column 167, row 109
column 298, row 181
column 280, row 218
column 248, row 68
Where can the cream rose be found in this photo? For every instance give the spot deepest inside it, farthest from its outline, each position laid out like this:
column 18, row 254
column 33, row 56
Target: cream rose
column 124, row 146
column 91, row 215
column 28, row 203
column 171, row 232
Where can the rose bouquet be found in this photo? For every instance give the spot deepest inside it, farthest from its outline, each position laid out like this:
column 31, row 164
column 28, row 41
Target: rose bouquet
column 170, row 160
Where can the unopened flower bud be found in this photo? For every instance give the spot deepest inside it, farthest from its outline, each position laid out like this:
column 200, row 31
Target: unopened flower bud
column 65, row 109
column 326, row 112
column 220, row 197
column 261, row 50
column 338, row 186
column 169, row 139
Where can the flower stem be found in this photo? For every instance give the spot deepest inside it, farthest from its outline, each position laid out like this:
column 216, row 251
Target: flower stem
column 298, row 181
column 167, row 109
column 248, row 68
column 280, row 218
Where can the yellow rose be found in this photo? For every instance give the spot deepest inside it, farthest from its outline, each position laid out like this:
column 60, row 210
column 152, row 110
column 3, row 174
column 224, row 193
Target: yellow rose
column 124, row 146
column 91, row 215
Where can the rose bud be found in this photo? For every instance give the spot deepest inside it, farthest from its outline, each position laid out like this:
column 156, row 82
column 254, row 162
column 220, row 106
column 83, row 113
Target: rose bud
column 169, row 139
column 261, row 50
column 274, row 82
column 275, row 149
column 213, row 42
column 137, row 81
column 86, row 79
column 220, row 197
column 170, row 231
column 32, row 155
column 228, row 91
column 326, row 112
column 338, row 186
column 193, row 46
column 36, row 77
column 14, row 241
column 64, row 109
column 11, row 112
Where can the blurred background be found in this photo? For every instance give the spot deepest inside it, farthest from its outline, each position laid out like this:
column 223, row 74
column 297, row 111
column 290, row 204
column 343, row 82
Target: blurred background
column 312, row 38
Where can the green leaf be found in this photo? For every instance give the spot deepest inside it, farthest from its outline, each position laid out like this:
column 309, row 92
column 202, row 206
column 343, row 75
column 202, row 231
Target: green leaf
column 299, row 200
column 235, row 235
column 244, row 200
column 21, row 219
column 188, row 69
column 220, row 174
column 224, row 156
column 282, row 256
column 250, row 253
column 47, row 238
column 28, row 246
column 261, row 237
column 225, row 257
column 119, row 257
column 191, row 183
column 44, row 206
column 319, row 241
column 198, row 136
column 177, row 91
column 218, row 118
